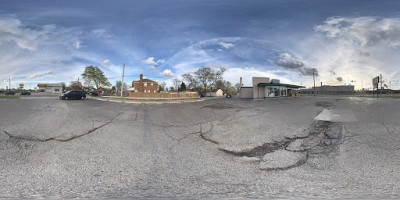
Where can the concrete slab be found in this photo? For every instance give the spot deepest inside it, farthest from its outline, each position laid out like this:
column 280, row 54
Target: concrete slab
column 337, row 115
column 282, row 159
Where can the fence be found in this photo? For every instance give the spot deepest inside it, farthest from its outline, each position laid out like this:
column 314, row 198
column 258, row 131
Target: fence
column 175, row 95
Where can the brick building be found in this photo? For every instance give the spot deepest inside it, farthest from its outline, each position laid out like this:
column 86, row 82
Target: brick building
column 144, row 86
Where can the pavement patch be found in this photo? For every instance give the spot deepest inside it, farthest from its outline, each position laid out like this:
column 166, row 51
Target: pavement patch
column 282, row 159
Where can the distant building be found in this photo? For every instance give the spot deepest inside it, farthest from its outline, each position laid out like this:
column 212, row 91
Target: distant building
column 328, row 89
column 144, row 86
column 51, row 87
column 264, row 88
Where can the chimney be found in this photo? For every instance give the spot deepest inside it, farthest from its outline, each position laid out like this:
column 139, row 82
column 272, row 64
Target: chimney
column 141, row 78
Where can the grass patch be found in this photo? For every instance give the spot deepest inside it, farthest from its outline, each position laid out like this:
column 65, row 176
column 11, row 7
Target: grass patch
column 9, row 97
column 150, row 99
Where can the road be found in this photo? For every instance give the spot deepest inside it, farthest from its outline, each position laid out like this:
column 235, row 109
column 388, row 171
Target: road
column 304, row 147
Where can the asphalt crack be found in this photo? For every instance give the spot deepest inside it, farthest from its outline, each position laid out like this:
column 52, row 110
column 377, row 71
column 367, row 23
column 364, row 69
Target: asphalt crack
column 57, row 138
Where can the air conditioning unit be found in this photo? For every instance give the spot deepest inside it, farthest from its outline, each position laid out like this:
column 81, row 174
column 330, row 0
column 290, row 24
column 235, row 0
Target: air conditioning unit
column 276, row 81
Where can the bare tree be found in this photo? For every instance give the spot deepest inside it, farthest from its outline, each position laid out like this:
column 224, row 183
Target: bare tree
column 192, row 82
column 208, row 76
column 177, row 82
column 161, row 86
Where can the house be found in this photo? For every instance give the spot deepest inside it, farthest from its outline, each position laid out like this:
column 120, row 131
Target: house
column 144, row 86
column 215, row 93
column 263, row 87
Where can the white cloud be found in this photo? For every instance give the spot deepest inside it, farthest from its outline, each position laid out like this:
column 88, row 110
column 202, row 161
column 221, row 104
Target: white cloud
column 77, row 45
column 12, row 29
column 37, row 75
column 167, row 73
column 233, row 75
column 101, row 33
column 151, row 61
column 106, row 63
column 354, row 49
column 226, row 45
column 366, row 31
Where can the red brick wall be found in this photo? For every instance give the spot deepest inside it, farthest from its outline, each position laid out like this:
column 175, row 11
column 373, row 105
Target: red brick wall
column 141, row 88
column 163, row 95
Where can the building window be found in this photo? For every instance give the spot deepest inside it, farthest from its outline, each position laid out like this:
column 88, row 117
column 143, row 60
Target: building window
column 135, row 90
column 145, row 84
column 151, row 84
column 154, row 91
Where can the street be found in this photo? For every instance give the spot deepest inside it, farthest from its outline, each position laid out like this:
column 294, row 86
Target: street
column 303, row 147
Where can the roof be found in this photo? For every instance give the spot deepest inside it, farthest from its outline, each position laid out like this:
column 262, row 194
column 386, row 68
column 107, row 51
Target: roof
column 280, row 84
column 145, row 80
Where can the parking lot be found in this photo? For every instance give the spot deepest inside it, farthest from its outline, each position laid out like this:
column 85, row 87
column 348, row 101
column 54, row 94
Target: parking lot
column 303, row 147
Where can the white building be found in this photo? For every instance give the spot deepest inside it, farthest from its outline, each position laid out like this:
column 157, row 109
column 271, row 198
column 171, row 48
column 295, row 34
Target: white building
column 51, row 87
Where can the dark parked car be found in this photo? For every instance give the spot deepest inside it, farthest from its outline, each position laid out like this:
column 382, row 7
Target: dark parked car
column 25, row 93
column 94, row 93
column 10, row 92
column 74, row 94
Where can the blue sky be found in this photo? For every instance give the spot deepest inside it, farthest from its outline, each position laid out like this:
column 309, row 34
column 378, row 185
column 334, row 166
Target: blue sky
column 346, row 42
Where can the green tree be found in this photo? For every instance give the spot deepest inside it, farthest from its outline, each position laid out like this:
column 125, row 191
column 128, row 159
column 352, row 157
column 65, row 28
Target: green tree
column 223, row 85
column 182, row 87
column 232, row 90
column 94, row 73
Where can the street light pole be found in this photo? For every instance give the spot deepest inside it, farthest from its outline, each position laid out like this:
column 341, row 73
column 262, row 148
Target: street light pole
column 313, row 75
column 122, row 83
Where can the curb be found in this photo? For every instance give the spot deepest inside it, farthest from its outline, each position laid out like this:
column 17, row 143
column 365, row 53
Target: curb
column 150, row 102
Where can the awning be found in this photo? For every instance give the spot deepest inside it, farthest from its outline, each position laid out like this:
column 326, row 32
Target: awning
column 280, row 84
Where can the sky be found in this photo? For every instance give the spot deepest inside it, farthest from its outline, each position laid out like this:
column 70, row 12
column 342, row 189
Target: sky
column 344, row 42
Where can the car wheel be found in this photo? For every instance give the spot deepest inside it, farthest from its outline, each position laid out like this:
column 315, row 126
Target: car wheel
column 66, row 98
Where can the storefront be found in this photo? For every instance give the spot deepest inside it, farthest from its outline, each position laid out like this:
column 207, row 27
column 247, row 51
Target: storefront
column 278, row 90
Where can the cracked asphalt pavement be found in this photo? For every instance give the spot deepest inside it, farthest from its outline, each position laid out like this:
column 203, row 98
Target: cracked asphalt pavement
column 305, row 147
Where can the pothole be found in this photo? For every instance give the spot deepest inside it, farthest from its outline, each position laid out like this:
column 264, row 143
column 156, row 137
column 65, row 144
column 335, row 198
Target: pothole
column 319, row 138
column 324, row 104
column 259, row 151
column 220, row 106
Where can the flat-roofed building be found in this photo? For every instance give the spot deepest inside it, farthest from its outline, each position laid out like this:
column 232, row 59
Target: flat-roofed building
column 263, row 87
column 51, row 87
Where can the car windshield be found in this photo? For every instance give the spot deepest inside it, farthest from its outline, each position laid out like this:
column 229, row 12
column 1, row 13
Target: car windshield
column 200, row 99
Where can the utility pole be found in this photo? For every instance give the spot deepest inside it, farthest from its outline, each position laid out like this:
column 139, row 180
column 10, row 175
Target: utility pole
column 9, row 83
column 313, row 75
column 122, row 83
column 381, row 83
